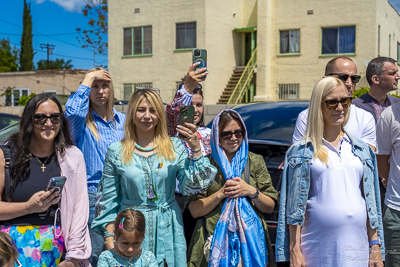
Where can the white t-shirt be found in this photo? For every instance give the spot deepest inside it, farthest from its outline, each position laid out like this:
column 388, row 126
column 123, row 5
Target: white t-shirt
column 388, row 136
column 361, row 125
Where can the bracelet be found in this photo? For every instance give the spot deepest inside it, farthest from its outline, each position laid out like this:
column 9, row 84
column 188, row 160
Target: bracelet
column 196, row 151
column 375, row 242
column 107, row 234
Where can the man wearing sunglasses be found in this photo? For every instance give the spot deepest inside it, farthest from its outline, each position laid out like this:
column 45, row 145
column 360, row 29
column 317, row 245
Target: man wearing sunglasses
column 382, row 76
column 361, row 124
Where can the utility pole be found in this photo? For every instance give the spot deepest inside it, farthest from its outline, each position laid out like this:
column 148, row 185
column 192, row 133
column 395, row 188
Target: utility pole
column 49, row 48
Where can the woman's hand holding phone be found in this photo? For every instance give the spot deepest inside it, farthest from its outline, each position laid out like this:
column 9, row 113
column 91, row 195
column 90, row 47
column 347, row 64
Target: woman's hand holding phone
column 42, row 200
column 194, row 76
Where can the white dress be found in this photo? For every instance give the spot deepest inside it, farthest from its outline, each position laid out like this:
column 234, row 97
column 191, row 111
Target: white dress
column 334, row 232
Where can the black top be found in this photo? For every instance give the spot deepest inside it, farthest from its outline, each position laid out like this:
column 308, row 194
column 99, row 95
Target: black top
column 37, row 181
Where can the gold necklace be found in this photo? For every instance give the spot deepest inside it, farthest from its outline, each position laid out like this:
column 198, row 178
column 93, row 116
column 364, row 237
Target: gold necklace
column 43, row 167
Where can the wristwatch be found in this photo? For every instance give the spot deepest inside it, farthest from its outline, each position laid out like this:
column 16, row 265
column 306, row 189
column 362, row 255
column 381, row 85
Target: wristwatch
column 256, row 194
column 375, row 242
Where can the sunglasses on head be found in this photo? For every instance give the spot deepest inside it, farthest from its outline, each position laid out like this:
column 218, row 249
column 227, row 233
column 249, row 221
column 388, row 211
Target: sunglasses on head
column 227, row 135
column 41, row 119
column 343, row 77
column 333, row 103
column 137, row 88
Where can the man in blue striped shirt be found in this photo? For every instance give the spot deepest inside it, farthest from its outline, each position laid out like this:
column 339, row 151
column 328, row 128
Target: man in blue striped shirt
column 95, row 125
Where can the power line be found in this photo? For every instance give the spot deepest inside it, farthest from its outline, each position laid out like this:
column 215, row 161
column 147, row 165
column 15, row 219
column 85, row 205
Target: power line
column 49, row 48
column 50, row 34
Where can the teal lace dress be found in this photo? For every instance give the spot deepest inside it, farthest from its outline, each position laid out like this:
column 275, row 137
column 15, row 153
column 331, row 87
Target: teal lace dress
column 148, row 184
column 110, row 258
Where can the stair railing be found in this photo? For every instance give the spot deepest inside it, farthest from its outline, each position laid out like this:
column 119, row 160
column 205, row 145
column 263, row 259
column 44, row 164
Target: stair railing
column 243, row 84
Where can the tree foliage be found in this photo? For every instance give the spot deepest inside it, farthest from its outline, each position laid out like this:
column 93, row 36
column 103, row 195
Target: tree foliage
column 360, row 92
column 8, row 56
column 26, row 55
column 54, row 64
column 95, row 36
column 24, row 99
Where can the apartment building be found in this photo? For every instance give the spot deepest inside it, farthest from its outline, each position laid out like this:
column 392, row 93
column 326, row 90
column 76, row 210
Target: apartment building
column 285, row 44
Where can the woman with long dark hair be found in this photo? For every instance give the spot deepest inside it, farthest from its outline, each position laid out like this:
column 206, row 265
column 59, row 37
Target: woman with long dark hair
column 46, row 225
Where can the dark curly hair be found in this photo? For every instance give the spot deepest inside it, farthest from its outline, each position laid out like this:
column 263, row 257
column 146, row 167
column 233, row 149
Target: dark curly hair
column 21, row 140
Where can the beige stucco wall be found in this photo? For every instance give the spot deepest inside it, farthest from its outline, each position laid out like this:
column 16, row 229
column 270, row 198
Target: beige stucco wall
column 216, row 21
column 60, row 81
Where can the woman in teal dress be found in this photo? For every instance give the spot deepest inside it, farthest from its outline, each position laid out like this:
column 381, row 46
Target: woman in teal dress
column 140, row 171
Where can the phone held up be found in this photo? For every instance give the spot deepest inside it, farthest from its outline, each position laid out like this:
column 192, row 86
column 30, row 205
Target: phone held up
column 200, row 55
column 57, row 183
column 186, row 114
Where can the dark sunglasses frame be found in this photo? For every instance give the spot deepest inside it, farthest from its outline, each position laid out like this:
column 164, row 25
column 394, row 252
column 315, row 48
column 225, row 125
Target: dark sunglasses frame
column 343, row 77
column 332, row 104
column 41, row 119
column 227, row 135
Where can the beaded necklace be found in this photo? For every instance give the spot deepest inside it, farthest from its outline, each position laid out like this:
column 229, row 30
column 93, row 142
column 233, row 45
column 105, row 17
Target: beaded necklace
column 145, row 149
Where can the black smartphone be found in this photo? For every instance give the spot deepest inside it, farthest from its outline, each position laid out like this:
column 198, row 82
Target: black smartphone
column 57, row 183
column 186, row 114
column 200, row 55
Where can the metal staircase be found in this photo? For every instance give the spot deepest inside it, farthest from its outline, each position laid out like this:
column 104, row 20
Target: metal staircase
column 241, row 86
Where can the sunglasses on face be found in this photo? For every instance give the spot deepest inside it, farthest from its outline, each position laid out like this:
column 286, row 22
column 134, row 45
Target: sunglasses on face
column 137, row 88
column 343, row 77
column 41, row 119
column 226, row 135
column 333, row 103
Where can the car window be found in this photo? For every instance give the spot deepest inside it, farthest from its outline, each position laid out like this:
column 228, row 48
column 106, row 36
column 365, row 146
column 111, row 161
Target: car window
column 8, row 131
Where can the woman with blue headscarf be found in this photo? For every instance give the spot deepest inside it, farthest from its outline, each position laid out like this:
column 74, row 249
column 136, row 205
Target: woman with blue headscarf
column 230, row 231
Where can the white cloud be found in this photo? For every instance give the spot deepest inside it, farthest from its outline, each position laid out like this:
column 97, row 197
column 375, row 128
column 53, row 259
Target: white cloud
column 68, row 5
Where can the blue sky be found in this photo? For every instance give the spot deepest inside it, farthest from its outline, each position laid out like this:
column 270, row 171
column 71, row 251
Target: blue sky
column 54, row 22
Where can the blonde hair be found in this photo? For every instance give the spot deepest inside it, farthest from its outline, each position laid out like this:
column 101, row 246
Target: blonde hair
column 161, row 139
column 315, row 120
column 109, row 108
column 8, row 251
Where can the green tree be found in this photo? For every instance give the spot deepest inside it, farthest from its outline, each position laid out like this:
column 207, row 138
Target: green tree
column 96, row 35
column 360, row 92
column 54, row 64
column 8, row 56
column 26, row 55
column 24, row 99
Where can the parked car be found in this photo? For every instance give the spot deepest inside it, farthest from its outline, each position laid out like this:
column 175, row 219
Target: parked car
column 7, row 119
column 6, row 132
column 270, row 128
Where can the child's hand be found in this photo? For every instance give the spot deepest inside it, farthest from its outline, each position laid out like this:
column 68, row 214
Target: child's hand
column 109, row 243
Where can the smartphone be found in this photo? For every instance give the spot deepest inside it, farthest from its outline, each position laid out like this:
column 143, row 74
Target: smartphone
column 200, row 55
column 186, row 114
column 57, row 183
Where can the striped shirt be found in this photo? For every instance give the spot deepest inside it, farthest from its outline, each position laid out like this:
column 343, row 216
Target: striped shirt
column 94, row 151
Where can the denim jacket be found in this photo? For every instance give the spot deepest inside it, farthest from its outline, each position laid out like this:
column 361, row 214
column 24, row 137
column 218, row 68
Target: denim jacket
column 296, row 185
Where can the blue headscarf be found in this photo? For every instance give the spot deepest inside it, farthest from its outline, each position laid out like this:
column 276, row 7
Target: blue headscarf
column 239, row 232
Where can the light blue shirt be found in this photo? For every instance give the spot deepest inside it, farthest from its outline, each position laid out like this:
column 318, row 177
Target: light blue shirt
column 94, row 151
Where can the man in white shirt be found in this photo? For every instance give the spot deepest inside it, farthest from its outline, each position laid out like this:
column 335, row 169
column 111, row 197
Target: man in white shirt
column 388, row 157
column 361, row 123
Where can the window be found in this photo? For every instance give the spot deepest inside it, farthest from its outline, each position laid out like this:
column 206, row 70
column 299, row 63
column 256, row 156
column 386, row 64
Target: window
column 17, row 93
column 186, row 35
column 289, row 91
column 129, row 88
column 138, row 41
column 289, row 41
column 339, row 40
column 398, row 53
